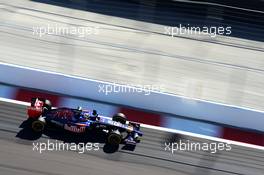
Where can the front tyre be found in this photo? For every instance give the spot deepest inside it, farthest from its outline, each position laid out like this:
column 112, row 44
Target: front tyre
column 114, row 138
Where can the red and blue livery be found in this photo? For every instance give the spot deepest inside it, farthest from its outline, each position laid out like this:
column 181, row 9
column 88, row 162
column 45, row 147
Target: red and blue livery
column 117, row 129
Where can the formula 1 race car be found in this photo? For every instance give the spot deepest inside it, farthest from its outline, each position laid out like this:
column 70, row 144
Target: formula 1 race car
column 118, row 130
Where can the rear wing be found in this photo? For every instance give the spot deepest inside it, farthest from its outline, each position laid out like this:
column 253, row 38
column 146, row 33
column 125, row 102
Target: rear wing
column 37, row 102
column 38, row 105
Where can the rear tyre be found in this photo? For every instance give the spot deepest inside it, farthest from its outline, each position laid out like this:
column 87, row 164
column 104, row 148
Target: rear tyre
column 38, row 126
column 120, row 117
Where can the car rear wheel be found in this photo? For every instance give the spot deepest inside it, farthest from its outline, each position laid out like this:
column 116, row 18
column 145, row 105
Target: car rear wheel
column 38, row 126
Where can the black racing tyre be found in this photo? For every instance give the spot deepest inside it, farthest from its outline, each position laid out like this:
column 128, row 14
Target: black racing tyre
column 38, row 126
column 120, row 117
column 114, row 138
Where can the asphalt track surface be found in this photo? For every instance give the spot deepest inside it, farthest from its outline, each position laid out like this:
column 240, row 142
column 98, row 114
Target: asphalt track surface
column 17, row 155
column 134, row 52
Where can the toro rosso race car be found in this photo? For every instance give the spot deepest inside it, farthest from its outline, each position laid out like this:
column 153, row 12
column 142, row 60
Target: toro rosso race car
column 118, row 130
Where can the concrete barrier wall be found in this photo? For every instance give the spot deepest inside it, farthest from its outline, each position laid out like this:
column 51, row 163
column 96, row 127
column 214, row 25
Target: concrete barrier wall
column 156, row 101
column 150, row 118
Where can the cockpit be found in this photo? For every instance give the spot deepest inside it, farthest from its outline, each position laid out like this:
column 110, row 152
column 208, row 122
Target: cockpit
column 84, row 115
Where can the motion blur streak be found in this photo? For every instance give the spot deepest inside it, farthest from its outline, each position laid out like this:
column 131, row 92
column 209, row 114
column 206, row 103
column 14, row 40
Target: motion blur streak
column 123, row 53
column 149, row 157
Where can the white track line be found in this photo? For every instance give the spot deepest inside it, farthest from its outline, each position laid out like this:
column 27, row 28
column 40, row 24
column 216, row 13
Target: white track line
column 164, row 129
column 14, row 101
column 203, row 136
column 219, row 5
